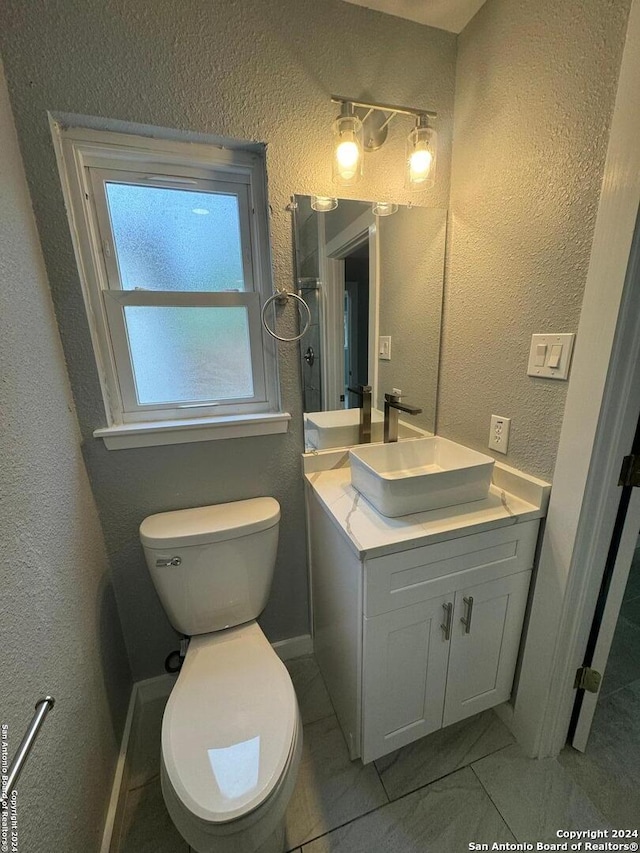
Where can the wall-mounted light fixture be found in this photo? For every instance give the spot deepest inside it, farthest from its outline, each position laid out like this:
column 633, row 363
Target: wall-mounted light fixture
column 364, row 127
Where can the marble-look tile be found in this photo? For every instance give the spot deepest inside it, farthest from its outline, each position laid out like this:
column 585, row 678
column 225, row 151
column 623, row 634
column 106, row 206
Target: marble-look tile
column 623, row 666
column 441, row 818
column 632, row 590
column 441, row 753
column 144, row 763
column 609, row 771
column 330, row 789
column 630, row 610
column 535, row 797
column 146, row 826
column 308, row 683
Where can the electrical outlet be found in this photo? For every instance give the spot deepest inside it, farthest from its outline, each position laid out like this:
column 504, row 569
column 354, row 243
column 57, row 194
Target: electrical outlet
column 499, row 433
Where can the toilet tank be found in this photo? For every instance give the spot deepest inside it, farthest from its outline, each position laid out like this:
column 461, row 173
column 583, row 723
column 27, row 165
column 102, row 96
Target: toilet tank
column 212, row 566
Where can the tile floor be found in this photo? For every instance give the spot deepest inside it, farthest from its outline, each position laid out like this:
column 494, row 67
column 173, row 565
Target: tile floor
column 469, row 782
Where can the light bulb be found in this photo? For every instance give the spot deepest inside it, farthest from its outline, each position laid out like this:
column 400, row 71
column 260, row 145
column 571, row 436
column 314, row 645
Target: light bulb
column 421, row 156
column 419, row 164
column 347, row 154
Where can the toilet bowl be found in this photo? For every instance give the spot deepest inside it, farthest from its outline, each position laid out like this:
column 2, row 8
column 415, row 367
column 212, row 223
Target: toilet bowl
column 231, row 731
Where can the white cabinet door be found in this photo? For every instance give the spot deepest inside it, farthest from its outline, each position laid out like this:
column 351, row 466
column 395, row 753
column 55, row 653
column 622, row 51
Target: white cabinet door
column 485, row 638
column 405, row 669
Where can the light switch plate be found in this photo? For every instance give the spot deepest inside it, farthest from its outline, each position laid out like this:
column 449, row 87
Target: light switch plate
column 384, row 347
column 544, row 371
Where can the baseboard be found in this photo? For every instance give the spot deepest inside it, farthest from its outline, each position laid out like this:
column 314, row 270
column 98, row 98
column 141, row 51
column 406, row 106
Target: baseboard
column 119, row 788
column 294, row 647
column 504, row 712
column 141, row 693
column 155, row 688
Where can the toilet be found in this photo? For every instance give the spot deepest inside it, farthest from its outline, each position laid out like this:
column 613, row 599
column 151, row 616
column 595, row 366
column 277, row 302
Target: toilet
column 231, row 731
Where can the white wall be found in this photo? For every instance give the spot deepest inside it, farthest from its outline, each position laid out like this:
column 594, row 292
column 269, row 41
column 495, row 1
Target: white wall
column 60, row 630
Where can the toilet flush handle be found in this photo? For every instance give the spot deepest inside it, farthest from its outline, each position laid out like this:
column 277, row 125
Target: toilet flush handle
column 170, row 561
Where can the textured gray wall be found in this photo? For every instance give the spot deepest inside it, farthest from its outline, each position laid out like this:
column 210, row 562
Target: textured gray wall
column 59, row 631
column 248, row 70
column 535, row 91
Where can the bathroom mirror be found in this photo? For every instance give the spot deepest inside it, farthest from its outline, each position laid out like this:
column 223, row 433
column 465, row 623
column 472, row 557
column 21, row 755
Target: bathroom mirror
column 374, row 285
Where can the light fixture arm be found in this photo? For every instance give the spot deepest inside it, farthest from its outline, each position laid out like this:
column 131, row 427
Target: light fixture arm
column 385, row 108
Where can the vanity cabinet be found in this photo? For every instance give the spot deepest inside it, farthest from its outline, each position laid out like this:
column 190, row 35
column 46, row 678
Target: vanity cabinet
column 431, row 664
column 415, row 640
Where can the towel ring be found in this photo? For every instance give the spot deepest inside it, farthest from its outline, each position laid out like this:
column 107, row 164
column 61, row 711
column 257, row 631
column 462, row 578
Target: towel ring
column 282, row 296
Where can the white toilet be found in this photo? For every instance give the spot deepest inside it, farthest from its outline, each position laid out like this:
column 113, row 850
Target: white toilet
column 231, row 732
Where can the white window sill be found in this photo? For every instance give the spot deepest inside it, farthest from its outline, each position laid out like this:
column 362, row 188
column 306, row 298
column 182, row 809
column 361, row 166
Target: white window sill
column 154, row 433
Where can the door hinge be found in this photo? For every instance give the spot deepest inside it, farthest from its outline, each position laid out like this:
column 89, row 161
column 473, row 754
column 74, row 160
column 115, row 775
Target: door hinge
column 587, row 679
column 630, row 471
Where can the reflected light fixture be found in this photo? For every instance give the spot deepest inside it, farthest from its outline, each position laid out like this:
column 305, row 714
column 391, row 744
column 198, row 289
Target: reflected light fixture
column 348, row 147
column 383, row 208
column 363, row 127
column 323, row 204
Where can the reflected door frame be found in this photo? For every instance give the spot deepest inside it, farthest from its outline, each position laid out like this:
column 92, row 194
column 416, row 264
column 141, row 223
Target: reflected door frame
column 332, row 276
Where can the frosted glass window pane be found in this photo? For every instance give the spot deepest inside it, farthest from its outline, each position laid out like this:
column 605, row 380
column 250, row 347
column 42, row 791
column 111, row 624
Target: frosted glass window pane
column 189, row 355
column 168, row 239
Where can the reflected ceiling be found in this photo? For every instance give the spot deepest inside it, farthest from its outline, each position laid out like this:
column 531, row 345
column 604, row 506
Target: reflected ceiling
column 452, row 15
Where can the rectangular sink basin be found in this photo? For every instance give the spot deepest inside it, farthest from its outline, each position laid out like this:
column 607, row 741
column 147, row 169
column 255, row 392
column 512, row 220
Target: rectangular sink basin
column 419, row 475
column 341, row 428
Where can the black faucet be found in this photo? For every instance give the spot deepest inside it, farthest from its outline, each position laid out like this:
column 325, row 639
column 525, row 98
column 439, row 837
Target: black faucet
column 393, row 405
column 364, row 393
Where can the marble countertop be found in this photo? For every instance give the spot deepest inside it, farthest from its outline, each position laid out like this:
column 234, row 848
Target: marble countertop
column 514, row 498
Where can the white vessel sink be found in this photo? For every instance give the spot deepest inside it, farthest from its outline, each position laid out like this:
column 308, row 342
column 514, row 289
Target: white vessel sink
column 340, row 428
column 419, row 475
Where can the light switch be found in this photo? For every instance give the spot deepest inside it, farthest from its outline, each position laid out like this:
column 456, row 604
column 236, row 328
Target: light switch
column 550, row 356
column 384, row 347
column 556, row 355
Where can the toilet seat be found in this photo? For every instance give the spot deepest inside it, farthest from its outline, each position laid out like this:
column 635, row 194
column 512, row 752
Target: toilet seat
column 229, row 726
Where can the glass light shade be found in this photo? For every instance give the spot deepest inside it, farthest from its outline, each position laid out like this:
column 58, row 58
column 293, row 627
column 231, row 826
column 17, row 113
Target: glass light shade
column 348, row 150
column 383, row 208
column 421, row 157
column 323, row 204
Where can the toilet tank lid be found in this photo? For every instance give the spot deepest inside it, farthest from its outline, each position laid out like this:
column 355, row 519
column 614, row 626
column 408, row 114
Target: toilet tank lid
column 205, row 524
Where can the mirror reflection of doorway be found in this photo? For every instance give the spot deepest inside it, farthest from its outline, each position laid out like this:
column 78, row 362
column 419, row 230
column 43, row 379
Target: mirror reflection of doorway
column 356, row 322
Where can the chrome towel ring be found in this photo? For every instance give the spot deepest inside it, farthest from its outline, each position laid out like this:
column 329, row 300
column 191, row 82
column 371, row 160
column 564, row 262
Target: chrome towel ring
column 281, row 296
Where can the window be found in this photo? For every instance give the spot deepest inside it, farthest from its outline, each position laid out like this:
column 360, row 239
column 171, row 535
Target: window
column 172, row 249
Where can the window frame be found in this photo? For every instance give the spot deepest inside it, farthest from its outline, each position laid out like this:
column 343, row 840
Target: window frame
column 115, row 303
column 85, row 156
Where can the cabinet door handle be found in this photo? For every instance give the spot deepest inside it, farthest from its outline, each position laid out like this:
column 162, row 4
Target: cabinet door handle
column 466, row 619
column 446, row 625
